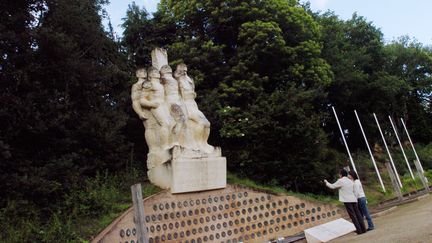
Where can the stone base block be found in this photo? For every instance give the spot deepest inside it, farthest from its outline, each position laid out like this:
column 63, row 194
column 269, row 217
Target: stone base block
column 198, row 174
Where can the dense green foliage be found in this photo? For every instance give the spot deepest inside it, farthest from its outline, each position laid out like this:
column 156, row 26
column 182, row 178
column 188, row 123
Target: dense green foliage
column 87, row 209
column 266, row 74
column 372, row 77
column 260, row 81
column 62, row 111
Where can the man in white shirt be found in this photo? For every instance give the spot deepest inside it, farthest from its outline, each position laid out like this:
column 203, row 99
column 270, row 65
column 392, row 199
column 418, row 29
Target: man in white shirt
column 346, row 195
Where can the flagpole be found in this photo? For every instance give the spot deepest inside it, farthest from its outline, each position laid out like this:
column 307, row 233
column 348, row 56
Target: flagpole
column 388, row 151
column 412, row 145
column 343, row 138
column 370, row 152
column 400, row 145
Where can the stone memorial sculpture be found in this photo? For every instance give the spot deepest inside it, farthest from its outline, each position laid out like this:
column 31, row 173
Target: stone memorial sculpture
column 141, row 74
column 152, row 100
column 176, row 131
column 175, row 104
column 196, row 119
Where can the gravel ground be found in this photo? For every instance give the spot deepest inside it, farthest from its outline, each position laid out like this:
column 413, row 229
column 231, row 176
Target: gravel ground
column 407, row 223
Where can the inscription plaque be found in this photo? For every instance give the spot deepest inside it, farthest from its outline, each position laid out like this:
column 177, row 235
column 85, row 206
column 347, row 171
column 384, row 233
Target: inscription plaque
column 191, row 174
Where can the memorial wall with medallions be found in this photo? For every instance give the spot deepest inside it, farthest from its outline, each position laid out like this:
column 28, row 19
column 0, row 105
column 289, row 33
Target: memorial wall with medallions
column 233, row 214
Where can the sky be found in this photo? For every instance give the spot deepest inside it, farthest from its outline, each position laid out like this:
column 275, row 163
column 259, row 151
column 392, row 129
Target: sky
column 395, row 18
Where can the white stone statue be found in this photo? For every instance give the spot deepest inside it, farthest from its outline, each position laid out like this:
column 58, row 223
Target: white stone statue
column 159, row 125
column 175, row 104
column 141, row 74
column 176, row 131
column 197, row 122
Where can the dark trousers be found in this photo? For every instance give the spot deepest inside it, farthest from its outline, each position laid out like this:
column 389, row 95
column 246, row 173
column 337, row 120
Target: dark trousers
column 356, row 217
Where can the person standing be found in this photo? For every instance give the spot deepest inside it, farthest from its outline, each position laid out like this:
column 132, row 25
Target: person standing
column 361, row 199
column 345, row 188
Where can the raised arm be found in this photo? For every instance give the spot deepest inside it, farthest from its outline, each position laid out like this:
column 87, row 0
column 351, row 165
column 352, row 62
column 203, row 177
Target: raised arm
column 335, row 185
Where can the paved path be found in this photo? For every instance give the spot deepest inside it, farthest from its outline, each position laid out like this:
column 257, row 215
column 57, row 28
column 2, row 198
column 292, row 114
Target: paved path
column 411, row 222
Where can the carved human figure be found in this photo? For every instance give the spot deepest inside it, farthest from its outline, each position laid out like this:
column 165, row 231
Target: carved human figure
column 144, row 114
column 159, row 125
column 198, row 123
column 171, row 86
column 141, row 74
column 175, row 104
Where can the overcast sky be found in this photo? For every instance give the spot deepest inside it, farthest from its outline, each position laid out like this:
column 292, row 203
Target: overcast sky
column 394, row 17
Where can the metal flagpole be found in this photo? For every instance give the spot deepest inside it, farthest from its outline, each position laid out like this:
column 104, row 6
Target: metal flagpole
column 370, row 152
column 400, row 145
column 412, row 145
column 388, row 151
column 343, row 138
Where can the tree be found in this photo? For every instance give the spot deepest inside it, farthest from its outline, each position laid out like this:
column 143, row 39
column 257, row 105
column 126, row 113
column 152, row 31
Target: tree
column 260, row 81
column 355, row 51
column 412, row 63
column 142, row 34
column 63, row 113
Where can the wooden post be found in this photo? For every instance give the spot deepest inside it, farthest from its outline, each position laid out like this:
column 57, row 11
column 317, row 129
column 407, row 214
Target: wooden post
column 394, row 182
column 138, row 207
column 421, row 175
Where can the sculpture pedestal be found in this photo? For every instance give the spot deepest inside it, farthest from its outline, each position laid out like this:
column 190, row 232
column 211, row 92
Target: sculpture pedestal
column 187, row 170
column 198, row 174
